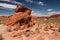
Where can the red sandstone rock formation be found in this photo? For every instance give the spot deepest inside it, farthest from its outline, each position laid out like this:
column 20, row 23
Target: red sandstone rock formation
column 21, row 19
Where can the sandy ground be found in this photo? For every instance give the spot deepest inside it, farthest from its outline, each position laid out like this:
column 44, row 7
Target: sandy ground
column 38, row 35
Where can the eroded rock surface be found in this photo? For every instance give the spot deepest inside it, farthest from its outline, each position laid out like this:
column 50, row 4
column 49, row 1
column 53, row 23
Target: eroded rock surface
column 21, row 19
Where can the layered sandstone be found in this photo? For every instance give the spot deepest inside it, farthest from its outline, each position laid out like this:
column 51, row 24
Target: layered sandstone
column 21, row 19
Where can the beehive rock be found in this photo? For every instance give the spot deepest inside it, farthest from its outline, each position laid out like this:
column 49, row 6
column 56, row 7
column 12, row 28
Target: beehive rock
column 21, row 19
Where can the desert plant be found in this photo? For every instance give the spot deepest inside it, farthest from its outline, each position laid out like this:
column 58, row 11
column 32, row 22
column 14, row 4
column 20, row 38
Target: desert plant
column 1, row 38
column 9, row 29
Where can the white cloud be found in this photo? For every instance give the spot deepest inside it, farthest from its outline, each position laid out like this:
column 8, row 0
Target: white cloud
column 53, row 12
column 34, row 13
column 50, row 10
column 31, row 1
column 41, row 3
column 10, row 6
column 16, row 2
column 4, row 0
column 13, row 1
column 5, row 5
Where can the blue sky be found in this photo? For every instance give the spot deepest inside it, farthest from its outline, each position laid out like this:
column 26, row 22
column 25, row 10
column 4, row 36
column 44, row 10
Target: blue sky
column 39, row 7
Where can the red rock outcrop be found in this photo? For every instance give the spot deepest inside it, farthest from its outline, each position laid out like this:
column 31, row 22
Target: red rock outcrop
column 21, row 19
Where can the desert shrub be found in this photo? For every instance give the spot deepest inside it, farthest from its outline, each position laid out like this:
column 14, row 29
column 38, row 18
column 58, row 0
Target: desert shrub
column 27, row 34
column 2, row 20
column 37, row 29
column 46, row 28
column 1, row 38
column 9, row 29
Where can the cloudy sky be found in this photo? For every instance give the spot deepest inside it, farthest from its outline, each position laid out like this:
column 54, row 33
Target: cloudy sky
column 39, row 7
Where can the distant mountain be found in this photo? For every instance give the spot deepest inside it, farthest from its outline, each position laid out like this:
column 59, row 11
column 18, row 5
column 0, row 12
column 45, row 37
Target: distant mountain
column 3, row 16
column 55, row 16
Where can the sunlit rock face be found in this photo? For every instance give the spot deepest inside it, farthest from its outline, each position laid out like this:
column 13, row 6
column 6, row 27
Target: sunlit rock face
column 21, row 19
